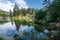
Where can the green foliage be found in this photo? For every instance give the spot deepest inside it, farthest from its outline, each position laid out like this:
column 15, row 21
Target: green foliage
column 1, row 38
column 54, row 9
column 16, row 10
column 23, row 12
column 40, row 19
column 49, row 14
column 3, row 13
column 58, row 33
column 11, row 14
column 46, row 16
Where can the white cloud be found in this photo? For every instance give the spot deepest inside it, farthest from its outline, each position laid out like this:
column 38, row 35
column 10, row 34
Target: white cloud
column 21, row 3
column 7, row 5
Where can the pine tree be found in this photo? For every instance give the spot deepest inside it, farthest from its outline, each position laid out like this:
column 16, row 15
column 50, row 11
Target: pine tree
column 16, row 10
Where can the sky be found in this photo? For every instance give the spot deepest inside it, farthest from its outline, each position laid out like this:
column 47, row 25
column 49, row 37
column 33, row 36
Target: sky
column 7, row 5
column 35, row 3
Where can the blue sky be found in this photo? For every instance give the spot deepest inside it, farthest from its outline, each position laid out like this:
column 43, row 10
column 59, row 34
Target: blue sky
column 35, row 3
column 7, row 5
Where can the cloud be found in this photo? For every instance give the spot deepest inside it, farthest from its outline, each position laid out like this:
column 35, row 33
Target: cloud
column 21, row 3
column 7, row 5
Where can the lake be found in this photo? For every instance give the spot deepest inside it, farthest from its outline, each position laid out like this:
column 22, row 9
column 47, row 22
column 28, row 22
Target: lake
column 8, row 30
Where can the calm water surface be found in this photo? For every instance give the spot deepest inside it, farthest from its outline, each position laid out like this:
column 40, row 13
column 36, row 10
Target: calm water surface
column 9, row 29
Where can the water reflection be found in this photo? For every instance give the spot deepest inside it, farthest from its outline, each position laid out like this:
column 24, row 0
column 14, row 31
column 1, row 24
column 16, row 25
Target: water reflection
column 7, row 28
column 17, row 31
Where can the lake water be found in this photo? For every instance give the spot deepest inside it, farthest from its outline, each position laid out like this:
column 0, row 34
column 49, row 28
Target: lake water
column 10, row 29
column 25, row 31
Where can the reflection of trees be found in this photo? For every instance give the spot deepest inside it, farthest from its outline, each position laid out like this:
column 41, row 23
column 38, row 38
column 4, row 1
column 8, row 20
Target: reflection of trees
column 17, row 25
column 3, row 20
column 17, row 37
